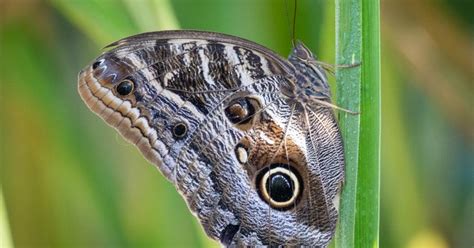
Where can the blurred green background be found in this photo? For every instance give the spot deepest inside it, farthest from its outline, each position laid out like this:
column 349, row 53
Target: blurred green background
column 68, row 180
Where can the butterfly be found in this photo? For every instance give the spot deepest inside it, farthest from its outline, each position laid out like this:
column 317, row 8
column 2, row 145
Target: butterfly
column 248, row 138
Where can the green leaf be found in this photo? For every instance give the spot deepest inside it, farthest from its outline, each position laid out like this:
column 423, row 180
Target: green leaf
column 152, row 15
column 102, row 21
column 358, row 40
column 368, row 178
column 348, row 50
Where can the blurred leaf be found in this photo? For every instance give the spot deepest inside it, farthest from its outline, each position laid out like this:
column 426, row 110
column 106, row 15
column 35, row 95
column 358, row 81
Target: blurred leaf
column 141, row 11
column 401, row 198
column 104, row 21
column 443, row 74
column 41, row 151
column 152, row 15
column 427, row 239
column 5, row 239
column 165, row 15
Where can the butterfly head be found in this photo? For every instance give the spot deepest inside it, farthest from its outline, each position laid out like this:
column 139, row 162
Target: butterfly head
column 311, row 81
column 302, row 52
column 113, row 89
column 109, row 84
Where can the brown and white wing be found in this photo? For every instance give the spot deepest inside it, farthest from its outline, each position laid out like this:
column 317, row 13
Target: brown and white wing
column 169, row 94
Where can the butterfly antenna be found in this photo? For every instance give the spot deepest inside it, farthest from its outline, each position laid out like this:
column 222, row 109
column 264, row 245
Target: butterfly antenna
column 293, row 36
column 291, row 26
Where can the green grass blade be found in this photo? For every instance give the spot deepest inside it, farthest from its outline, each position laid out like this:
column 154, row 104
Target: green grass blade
column 358, row 40
column 152, row 15
column 164, row 15
column 142, row 14
column 102, row 21
column 368, row 178
column 348, row 51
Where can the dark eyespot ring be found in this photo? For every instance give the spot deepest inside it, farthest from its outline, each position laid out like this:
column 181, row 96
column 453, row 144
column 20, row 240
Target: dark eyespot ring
column 280, row 186
column 125, row 88
column 240, row 111
column 180, row 129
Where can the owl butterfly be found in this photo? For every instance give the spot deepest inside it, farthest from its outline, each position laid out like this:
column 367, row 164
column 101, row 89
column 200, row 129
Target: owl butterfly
column 248, row 138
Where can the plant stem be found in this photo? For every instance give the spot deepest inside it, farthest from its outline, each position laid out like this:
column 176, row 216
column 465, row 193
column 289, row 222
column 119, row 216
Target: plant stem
column 348, row 50
column 358, row 40
column 368, row 187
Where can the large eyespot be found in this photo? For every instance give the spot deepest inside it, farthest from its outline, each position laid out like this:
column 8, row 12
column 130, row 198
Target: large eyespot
column 125, row 87
column 179, row 130
column 240, row 111
column 280, row 186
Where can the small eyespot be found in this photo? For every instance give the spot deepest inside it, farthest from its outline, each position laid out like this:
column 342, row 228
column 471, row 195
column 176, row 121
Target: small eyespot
column 125, row 87
column 279, row 186
column 180, row 129
column 97, row 64
column 241, row 153
column 240, row 111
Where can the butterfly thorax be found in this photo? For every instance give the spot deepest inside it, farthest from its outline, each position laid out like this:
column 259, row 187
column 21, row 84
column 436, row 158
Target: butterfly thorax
column 310, row 82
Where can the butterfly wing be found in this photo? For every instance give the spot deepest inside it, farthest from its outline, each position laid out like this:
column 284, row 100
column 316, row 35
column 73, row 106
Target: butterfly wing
column 208, row 110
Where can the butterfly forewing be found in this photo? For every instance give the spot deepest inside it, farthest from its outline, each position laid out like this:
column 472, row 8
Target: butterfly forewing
column 221, row 118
